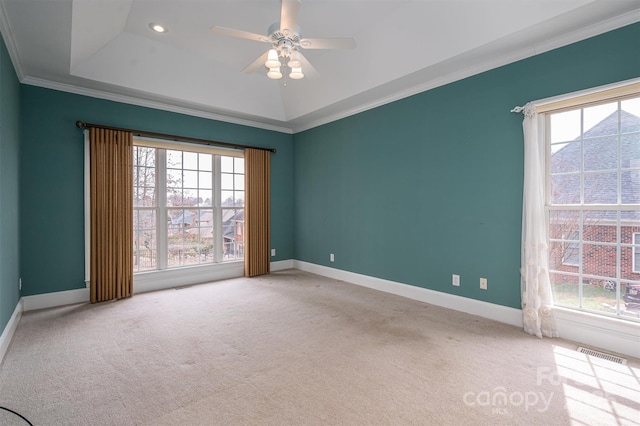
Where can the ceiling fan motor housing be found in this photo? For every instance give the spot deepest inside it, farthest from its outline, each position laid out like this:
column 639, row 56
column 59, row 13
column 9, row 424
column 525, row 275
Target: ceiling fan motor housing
column 283, row 40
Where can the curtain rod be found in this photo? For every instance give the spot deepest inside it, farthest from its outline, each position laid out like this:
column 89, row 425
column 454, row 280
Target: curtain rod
column 81, row 124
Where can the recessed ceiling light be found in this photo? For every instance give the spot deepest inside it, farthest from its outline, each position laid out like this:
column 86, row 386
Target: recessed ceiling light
column 158, row 28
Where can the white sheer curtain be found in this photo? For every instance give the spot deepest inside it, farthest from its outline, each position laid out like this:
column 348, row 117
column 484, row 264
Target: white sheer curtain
column 537, row 301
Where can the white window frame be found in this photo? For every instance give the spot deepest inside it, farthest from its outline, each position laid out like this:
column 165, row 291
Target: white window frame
column 579, row 101
column 159, row 279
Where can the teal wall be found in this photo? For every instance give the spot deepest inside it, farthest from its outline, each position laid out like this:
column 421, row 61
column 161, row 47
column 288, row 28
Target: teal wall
column 51, row 173
column 412, row 191
column 9, row 218
column 431, row 185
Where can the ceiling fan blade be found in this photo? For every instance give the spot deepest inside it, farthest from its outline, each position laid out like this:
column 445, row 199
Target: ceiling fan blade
column 240, row 34
column 289, row 15
column 307, row 68
column 257, row 64
column 328, row 43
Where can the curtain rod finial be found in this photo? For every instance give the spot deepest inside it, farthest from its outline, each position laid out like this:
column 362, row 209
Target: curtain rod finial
column 79, row 124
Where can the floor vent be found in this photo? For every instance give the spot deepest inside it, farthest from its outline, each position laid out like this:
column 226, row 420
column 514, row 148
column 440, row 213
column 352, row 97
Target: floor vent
column 602, row 355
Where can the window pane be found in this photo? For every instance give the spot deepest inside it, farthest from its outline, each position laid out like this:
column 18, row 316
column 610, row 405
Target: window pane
column 556, row 257
column 232, row 227
column 630, row 303
column 563, row 223
column 226, row 181
column 144, row 156
column 630, row 150
column 144, row 197
column 190, row 160
column 174, row 159
column 601, row 188
column 630, row 255
column 205, row 162
column 190, row 197
column 174, row 178
column 565, row 158
column 174, row 197
column 205, row 180
column 630, row 268
column 205, row 218
column 226, row 198
column 601, row 153
column 565, row 290
column 601, row 120
column 600, row 295
column 144, row 176
column 176, row 218
column 144, row 240
column 239, row 198
column 565, row 189
column 226, row 164
column 205, row 197
column 190, row 179
column 146, row 219
column 206, row 245
column 565, row 126
column 600, row 226
column 631, row 187
column 238, row 182
column 239, row 164
column 629, row 121
column 599, row 260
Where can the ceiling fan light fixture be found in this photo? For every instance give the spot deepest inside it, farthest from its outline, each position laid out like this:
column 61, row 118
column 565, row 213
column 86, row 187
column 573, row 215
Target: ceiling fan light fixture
column 272, row 60
column 294, row 60
column 296, row 73
column 274, row 73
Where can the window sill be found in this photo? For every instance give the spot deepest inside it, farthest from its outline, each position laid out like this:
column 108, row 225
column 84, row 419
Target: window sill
column 614, row 334
column 180, row 277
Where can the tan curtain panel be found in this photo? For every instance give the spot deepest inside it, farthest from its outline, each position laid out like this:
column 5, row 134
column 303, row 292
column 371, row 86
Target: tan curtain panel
column 111, row 212
column 257, row 164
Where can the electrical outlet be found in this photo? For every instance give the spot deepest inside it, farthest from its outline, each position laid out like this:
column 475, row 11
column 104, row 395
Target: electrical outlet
column 483, row 283
column 19, row 283
column 273, row 252
column 331, row 258
column 455, row 280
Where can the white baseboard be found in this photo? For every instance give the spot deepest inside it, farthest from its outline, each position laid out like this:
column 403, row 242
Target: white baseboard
column 610, row 334
column 471, row 306
column 281, row 265
column 151, row 281
column 605, row 333
column 58, row 298
column 10, row 328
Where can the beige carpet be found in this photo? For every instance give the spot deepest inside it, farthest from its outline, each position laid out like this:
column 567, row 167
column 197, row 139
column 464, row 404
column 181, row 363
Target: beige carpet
column 293, row 348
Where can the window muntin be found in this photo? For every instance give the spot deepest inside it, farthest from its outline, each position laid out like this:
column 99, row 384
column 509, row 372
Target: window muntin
column 186, row 224
column 593, row 204
column 145, row 209
column 636, row 252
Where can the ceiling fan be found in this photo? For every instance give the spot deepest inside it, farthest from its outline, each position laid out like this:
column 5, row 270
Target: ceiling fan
column 286, row 43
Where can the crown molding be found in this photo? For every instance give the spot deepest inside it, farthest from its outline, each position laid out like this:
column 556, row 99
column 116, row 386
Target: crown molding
column 302, row 124
column 498, row 61
column 133, row 100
